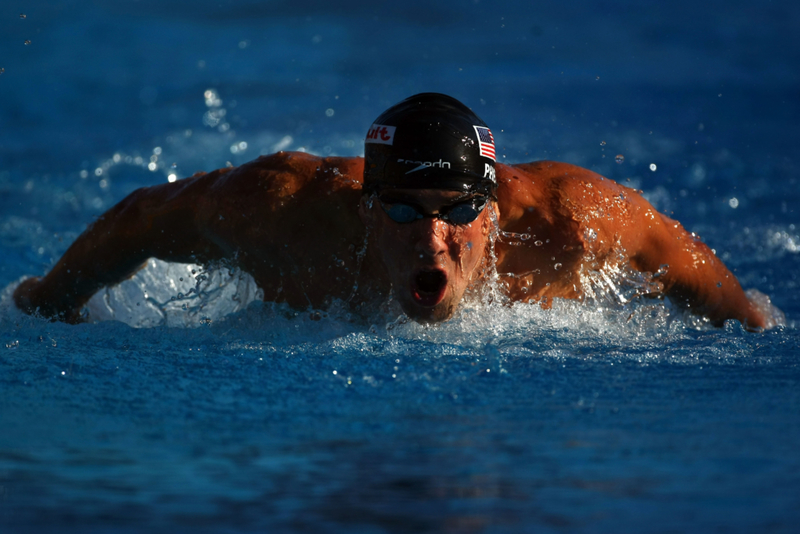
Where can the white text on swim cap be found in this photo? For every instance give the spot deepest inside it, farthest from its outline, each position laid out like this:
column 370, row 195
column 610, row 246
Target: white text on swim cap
column 378, row 133
column 425, row 164
column 488, row 172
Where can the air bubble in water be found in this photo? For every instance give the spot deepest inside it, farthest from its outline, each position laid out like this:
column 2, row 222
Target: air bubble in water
column 619, row 158
column 27, row 42
column 653, row 167
column 557, row 266
column 23, row 16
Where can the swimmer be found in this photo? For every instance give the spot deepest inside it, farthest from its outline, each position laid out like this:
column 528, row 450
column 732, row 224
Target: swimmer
column 417, row 218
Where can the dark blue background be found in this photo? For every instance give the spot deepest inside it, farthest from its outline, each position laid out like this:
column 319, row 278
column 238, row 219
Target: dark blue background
column 586, row 422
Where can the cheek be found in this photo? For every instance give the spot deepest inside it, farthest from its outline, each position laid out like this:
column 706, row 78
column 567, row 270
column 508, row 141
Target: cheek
column 393, row 246
column 467, row 247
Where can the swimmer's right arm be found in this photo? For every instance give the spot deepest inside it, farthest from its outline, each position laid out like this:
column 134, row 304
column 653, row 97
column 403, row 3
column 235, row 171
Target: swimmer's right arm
column 158, row 221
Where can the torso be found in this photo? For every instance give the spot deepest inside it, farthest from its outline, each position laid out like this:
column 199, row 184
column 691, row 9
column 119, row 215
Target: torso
column 291, row 220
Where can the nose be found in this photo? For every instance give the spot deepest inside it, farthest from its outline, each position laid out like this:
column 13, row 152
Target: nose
column 432, row 237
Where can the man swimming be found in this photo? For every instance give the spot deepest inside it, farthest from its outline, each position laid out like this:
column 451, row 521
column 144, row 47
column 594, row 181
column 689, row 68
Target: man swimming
column 416, row 218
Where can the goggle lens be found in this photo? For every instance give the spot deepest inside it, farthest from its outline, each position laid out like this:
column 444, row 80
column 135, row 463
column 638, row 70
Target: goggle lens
column 402, row 213
column 461, row 213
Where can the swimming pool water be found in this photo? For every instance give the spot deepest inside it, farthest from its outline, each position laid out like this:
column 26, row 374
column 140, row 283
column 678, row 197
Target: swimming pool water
column 598, row 418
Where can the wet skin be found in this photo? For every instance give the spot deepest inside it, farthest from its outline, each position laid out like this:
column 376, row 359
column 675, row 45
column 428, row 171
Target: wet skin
column 300, row 225
column 429, row 262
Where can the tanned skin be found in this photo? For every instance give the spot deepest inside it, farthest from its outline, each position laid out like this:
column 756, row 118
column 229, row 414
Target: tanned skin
column 301, row 227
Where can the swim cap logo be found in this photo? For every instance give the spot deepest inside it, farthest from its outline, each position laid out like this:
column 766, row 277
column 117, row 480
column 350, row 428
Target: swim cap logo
column 378, row 133
column 485, row 142
column 425, row 164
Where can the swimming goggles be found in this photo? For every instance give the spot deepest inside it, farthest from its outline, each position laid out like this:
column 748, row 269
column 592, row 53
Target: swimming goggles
column 459, row 213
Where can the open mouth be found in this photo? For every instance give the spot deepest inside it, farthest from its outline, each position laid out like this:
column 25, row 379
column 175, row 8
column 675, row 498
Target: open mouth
column 428, row 286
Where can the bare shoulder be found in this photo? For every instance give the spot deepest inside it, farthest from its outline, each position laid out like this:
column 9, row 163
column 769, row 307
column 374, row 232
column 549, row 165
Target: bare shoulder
column 280, row 176
column 550, row 179
column 270, row 186
column 572, row 215
column 570, row 193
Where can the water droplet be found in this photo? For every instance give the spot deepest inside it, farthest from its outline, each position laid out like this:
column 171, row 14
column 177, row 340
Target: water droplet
column 619, row 158
column 602, row 143
column 27, row 42
column 653, row 167
column 538, row 243
column 557, row 266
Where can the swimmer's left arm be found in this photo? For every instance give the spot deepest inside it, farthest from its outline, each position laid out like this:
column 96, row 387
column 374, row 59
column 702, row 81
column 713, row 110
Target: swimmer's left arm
column 695, row 278
column 573, row 203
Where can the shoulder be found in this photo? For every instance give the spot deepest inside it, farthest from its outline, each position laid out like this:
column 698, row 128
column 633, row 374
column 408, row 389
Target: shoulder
column 539, row 185
column 550, row 176
column 285, row 174
column 554, row 185
column 273, row 187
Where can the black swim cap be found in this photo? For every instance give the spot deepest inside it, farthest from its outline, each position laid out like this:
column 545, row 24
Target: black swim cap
column 430, row 141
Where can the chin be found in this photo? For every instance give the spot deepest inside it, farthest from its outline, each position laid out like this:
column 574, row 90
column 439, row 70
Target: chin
column 443, row 311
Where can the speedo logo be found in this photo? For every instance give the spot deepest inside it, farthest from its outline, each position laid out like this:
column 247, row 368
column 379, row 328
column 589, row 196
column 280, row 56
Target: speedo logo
column 424, row 164
column 378, row 133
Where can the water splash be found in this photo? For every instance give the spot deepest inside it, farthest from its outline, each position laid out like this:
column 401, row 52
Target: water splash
column 175, row 295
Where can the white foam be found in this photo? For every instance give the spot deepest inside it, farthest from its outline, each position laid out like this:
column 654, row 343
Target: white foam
column 175, row 294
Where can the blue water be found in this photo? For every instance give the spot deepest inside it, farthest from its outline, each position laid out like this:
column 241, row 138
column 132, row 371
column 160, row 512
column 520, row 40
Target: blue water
column 234, row 418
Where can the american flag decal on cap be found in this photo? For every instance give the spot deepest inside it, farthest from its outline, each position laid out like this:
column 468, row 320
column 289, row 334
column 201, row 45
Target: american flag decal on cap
column 485, row 141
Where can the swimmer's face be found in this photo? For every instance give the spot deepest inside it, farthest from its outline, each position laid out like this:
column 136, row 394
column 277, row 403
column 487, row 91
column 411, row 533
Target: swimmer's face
column 429, row 261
